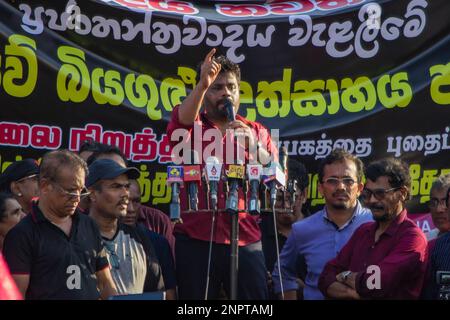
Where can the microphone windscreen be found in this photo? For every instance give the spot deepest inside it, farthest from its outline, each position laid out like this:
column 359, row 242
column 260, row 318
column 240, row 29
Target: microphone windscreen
column 283, row 158
column 229, row 109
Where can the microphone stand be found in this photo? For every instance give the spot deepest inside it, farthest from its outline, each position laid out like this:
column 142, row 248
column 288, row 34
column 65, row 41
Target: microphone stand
column 234, row 261
column 234, row 241
column 211, row 238
column 272, row 203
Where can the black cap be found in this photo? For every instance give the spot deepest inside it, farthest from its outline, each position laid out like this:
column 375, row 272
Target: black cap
column 16, row 171
column 108, row 169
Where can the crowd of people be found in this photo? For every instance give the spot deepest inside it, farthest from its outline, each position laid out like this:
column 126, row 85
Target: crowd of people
column 73, row 226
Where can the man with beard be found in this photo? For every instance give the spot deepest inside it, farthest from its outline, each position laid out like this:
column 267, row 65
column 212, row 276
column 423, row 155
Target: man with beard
column 134, row 266
column 385, row 259
column 218, row 83
column 318, row 238
column 56, row 252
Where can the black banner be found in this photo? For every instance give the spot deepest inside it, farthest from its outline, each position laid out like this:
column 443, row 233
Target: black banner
column 370, row 76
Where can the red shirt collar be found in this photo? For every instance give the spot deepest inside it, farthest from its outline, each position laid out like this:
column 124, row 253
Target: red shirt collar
column 394, row 225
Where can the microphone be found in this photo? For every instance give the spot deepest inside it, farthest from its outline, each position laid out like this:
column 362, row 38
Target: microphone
column 175, row 179
column 283, row 160
column 229, row 109
column 213, row 174
column 192, row 178
column 235, row 175
column 205, row 188
column 292, row 190
column 274, row 179
column 284, row 168
column 254, row 172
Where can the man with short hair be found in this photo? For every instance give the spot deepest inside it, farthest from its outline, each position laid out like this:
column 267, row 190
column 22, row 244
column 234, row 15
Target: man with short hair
column 439, row 262
column 21, row 180
column 438, row 208
column 206, row 106
column 55, row 252
column 88, row 147
column 160, row 243
column 318, row 238
column 384, row 259
column 134, row 266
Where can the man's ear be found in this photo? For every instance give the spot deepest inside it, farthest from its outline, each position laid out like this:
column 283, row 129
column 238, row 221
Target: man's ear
column 360, row 188
column 304, row 194
column 320, row 188
column 404, row 194
column 44, row 185
column 15, row 189
column 92, row 195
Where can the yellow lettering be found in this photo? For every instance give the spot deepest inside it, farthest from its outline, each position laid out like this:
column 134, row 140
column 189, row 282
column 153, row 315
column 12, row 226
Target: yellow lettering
column 73, row 80
column 440, row 78
column 20, row 50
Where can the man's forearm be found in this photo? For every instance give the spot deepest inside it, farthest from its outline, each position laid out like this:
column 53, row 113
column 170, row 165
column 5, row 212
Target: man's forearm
column 338, row 290
column 288, row 295
column 171, row 294
column 190, row 107
column 106, row 284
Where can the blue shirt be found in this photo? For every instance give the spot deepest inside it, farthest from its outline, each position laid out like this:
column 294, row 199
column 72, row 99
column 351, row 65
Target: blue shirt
column 317, row 240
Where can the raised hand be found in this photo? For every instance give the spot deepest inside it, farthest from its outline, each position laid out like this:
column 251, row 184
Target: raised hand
column 209, row 70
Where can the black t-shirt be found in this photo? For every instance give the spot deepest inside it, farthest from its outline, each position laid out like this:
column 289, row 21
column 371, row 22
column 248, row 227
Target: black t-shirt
column 164, row 255
column 60, row 267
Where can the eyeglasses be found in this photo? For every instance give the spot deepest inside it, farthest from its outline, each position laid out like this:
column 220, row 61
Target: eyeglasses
column 82, row 193
column 348, row 182
column 435, row 202
column 113, row 258
column 31, row 177
column 379, row 194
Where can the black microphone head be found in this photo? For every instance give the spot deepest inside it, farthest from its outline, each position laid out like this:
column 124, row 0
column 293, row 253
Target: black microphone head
column 229, row 109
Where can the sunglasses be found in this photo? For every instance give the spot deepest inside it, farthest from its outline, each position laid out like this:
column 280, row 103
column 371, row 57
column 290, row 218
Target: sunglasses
column 379, row 194
column 113, row 258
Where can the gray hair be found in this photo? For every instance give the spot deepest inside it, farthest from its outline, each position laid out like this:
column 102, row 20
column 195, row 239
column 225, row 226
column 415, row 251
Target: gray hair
column 441, row 183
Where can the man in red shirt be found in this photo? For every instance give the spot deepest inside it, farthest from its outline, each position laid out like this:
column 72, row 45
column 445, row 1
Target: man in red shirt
column 219, row 80
column 385, row 259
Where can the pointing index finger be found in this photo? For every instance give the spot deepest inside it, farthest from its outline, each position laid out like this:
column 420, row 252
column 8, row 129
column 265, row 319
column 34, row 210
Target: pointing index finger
column 209, row 56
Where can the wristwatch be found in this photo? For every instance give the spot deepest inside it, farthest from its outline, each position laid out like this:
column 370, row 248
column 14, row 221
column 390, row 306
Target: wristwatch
column 346, row 274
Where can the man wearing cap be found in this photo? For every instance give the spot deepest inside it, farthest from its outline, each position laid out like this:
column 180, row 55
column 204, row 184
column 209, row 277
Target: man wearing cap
column 134, row 266
column 20, row 179
column 56, row 252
